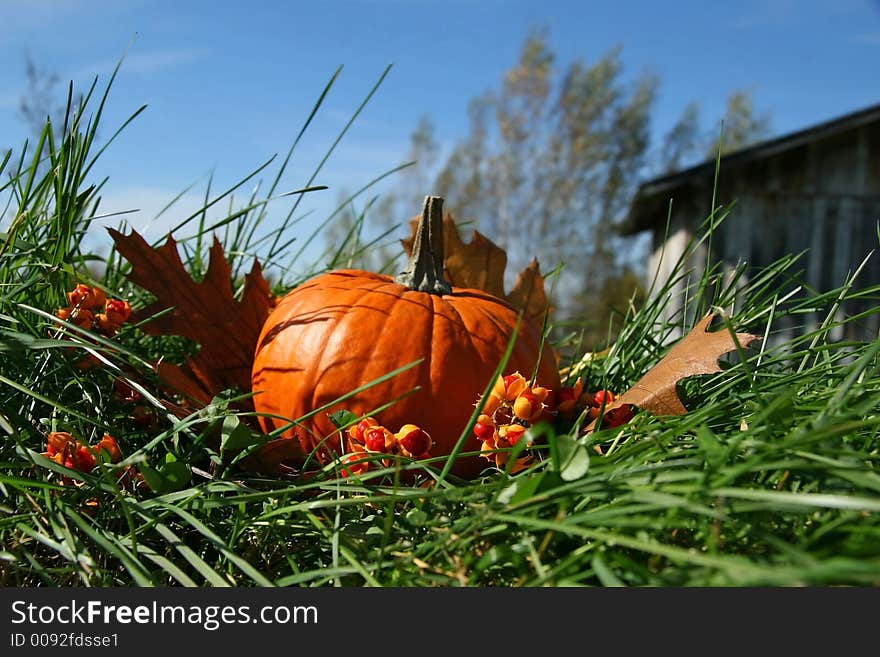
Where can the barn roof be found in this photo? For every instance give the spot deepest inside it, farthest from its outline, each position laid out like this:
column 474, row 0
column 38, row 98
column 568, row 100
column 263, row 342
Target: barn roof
column 649, row 206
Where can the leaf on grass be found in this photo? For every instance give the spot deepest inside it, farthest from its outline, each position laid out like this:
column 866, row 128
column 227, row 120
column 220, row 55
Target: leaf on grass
column 342, row 418
column 235, row 435
column 697, row 353
column 206, row 312
column 574, row 460
column 171, row 476
column 480, row 264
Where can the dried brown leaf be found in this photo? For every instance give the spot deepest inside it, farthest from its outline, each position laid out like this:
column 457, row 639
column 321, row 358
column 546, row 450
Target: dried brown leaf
column 480, row 264
column 528, row 293
column 697, row 353
column 226, row 330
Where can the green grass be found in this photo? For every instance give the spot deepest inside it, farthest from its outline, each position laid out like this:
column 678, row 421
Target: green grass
column 770, row 480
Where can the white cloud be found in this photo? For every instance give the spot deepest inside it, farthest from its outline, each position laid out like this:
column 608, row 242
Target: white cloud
column 151, row 61
column 157, row 60
column 147, row 202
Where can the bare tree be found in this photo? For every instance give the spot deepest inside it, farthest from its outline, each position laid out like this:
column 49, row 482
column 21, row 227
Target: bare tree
column 42, row 98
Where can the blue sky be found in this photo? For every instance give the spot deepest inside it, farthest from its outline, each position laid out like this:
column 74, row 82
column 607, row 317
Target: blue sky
column 228, row 84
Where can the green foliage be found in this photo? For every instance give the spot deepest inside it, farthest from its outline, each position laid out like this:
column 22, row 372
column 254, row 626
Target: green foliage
column 770, row 480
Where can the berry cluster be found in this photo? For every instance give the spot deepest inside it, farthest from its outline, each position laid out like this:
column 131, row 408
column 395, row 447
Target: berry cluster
column 572, row 401
column 512, row 407
column 369, row 437
column 63, row 448
column 66, row 450
column 89, row 308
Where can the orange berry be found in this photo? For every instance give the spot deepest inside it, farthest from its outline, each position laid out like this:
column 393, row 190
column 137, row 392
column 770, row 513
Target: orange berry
column 97, row 298
column 540, row 393
column 527, row 407
column 79, row 316
column 105, row 325
column 108, row 444
column 79, row 294
column 118, row 311
column 500, row 387
column 487, row 451
column 493, row 401
column 57, row 441
column 508, row 387
column 511, row 433
column 567, row 393
column 86, row 297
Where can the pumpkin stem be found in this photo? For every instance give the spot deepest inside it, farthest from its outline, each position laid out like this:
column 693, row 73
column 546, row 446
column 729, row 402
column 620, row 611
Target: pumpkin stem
column 425, row 270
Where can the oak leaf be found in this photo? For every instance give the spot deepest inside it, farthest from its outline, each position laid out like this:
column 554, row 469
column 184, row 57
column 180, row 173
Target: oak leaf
column 697, row 353
column 206, row 312
column 480, row 264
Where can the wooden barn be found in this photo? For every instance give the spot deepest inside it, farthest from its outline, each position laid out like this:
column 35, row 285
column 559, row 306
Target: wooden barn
column 815, row 190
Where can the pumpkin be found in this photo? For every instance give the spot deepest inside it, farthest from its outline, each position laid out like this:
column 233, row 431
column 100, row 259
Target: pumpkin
column 343, row 329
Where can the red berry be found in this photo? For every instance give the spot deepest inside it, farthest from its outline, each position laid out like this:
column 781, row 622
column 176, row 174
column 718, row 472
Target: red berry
column 484, row 431
column 378, row 439
column 603, row 397
column 85, row 461
column 117, row 310
column 108, row 444
column 413, row 441
column 358, row 431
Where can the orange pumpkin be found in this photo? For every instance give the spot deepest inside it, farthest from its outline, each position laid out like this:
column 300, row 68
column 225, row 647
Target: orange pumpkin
column 343, row 329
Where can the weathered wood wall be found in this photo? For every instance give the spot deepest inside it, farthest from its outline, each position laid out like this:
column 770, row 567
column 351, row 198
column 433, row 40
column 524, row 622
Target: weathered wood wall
column 822, row 198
